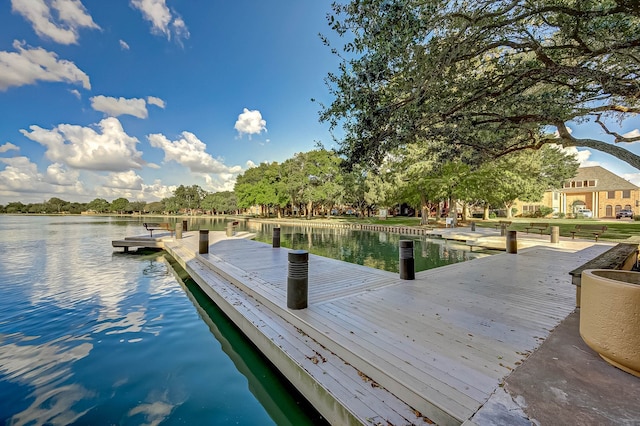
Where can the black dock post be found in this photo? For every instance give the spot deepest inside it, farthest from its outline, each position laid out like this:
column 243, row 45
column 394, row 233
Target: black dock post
column 407, row 267
column 298, row 279
column 512, row 242
column 276, row 237
column 203, row 247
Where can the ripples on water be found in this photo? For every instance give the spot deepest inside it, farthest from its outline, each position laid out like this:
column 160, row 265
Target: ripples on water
column 89, row 336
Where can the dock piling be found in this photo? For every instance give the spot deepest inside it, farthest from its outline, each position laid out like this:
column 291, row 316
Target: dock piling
column 203, row 247
column 555, row 234
column 298, row 279
column 407, row 267
column 184, row 226
column 276, row 237
column 512, row 242
column 178, row 231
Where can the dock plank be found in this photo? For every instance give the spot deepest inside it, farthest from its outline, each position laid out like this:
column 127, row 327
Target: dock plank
column 441, row 343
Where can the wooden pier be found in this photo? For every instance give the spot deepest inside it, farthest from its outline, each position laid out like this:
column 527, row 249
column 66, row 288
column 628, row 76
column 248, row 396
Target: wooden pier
column 374, row 349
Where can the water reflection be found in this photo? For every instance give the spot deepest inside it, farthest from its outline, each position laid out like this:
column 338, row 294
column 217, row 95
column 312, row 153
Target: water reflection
column 378, row 250
column 90, row 337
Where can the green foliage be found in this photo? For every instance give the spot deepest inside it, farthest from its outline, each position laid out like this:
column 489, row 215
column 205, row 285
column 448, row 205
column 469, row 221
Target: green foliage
column 120, row 205
column 99, row 205
column 487, row 77
column 221, row 202
column 188, row 197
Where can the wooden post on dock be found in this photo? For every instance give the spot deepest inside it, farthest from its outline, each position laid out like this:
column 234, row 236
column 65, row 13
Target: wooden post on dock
column 229, row 229
column 555, row 234
column 512, row 242
column 276, row 237
column 203, row 247
column 473, row 226
column 407, row 267
column 178, row 231
column 184, row 225
column 298, row 279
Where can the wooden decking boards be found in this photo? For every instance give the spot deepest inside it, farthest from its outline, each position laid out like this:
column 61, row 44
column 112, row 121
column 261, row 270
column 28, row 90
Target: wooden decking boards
column 440, row 344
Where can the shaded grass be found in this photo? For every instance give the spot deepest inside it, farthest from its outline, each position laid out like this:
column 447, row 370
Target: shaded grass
column 617, row 230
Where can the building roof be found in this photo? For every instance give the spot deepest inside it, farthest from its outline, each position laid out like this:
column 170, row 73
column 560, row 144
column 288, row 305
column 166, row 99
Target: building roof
column 605, row 180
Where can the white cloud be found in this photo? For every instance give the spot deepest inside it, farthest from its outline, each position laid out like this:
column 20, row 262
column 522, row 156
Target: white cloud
column 120, row 106
column 190, row 152
column 251, row 164
column 58, row 20
column 83, row 148
column 8, row 147
column 124, row 45
column 154, row 166
column 157, row 191
column 152, row 100
column 162, row 19
column 26, row 66
column 59, row 175
column 124, row 180
column 250, row 123
column 20, row 178
column 634, row 178
column 632, row 134
column 75, row 93
column 582, row 156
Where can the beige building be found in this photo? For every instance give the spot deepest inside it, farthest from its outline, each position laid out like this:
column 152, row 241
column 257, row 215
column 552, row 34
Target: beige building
column 594, row 188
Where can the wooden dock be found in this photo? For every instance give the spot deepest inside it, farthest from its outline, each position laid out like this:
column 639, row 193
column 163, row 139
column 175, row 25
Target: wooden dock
column 374, row 349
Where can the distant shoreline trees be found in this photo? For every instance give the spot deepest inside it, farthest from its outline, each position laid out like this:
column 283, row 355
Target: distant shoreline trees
column 315, row 183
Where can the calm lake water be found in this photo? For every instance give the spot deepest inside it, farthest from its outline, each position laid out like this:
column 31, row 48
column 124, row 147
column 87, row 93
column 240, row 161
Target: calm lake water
column 89, row 335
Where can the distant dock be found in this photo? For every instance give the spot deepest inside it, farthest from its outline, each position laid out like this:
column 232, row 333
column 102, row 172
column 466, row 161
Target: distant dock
column 374, row 349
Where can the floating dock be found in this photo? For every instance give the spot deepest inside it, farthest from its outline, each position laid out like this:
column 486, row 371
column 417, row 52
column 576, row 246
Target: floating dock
column 371, row 348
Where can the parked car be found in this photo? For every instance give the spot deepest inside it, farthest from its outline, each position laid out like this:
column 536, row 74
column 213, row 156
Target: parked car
column 624, row 213
column 584, row 213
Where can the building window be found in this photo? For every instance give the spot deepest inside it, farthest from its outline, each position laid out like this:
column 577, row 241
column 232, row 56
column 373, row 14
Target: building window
column 609, row 210
column 591, row 183
column 611, row 194
column 628, row 207
column 578, row 184
column 626, row 193
column 618, row 208
column 555, row 196
column 567, row 185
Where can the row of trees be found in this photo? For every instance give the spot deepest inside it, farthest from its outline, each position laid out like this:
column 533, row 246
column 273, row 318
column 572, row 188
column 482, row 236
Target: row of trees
column 99, row 205
column 185, row 199
column 314, row 182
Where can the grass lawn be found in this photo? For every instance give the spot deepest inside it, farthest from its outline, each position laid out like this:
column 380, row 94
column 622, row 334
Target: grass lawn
column 622, row 230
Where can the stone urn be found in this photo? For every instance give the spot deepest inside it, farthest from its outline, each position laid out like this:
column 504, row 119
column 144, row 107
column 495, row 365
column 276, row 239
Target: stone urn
column 610, row 316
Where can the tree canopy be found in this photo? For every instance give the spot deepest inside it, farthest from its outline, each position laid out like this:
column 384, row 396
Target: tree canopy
column 484, row 78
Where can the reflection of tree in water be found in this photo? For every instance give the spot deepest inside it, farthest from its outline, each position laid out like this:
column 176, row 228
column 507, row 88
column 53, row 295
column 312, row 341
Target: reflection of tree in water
column 378, row 250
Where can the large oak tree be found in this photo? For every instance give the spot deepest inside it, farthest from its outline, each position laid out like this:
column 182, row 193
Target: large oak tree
column 486, row 76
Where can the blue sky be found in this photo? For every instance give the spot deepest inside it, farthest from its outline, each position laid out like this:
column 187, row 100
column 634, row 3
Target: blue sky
column 131, row 98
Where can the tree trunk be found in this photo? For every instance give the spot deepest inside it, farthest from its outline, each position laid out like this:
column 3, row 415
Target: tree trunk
column 485, row 214
column 507, row 207
column 309, row 209
column 424, row 209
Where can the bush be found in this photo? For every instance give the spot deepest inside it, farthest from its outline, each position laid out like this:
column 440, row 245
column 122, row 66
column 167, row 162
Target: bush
column 492, row 215
column 545, row 211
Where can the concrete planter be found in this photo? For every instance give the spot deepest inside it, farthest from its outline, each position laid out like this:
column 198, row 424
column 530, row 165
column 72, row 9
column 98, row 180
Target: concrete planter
column 610, row 316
